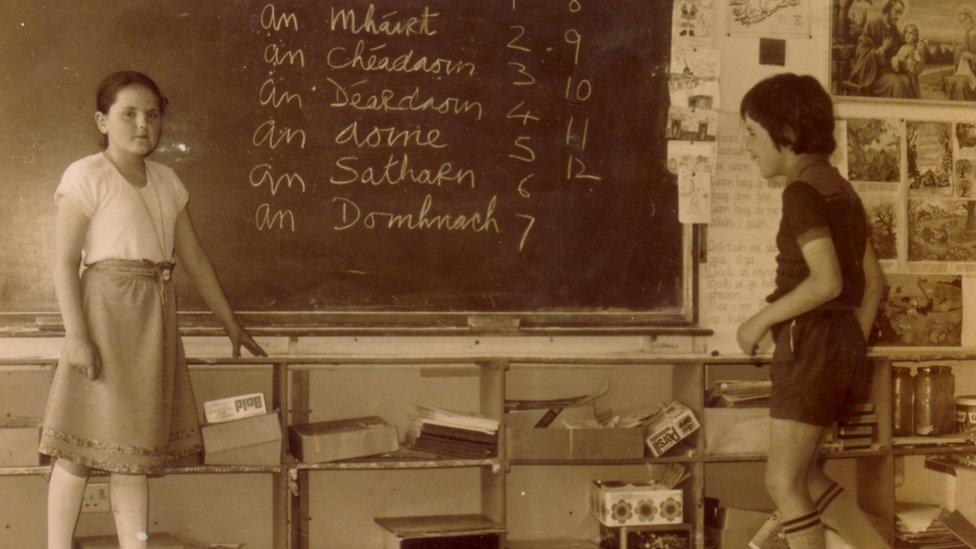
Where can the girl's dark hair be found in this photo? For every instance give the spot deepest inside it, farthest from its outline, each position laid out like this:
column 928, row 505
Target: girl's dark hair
column 110, row 86
column 795, row 110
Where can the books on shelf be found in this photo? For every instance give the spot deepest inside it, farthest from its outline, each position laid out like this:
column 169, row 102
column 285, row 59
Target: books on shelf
column 730, row 393
column 446, row 433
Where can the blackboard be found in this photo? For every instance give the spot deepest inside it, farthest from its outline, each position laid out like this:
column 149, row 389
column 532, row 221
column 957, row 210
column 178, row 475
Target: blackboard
column 393, row 156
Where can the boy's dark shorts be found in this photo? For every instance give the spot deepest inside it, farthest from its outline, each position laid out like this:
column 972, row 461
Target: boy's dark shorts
column 820, row 367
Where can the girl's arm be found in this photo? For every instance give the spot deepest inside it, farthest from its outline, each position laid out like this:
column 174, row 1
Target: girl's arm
column 70, row 228
column 824, row 283
column 873, row 286
column 201, row 273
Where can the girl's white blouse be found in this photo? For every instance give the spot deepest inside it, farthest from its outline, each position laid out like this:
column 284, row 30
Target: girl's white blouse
column 124, row 221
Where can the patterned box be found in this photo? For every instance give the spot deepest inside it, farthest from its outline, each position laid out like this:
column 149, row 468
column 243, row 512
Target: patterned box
column 633, row 503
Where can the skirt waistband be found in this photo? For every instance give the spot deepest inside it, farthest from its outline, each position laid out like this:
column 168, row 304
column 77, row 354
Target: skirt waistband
column 162, row 270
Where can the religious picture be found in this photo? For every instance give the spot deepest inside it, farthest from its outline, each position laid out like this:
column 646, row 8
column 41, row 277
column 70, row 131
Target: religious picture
column 895, row 49
column 929, row 158
column 919, row 310
column 883, row 220
column 941, row 230
column 873, row 150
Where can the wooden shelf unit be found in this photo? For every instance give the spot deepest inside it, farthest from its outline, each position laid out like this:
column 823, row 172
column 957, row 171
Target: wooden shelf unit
column 690, row 375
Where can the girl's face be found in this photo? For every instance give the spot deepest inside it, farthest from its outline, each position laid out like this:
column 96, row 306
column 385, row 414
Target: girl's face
column 769, row 158
column 911, row 35
column 133, row 123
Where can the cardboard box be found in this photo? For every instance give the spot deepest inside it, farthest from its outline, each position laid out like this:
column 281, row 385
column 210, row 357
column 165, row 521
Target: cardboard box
column 441, row 531
column 669, row 426
column 736, row 431
column 635, row 503
column 237, row 407
column 527, row 419
column 18, row 446
column 731, row 528
column 950, row 484
column 342, row 439
column 251, row 441
column 161, row 540
column 575, row 444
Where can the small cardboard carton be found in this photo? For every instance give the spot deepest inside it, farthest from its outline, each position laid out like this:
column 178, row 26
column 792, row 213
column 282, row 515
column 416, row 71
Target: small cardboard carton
column 160, row 540
column 950, row 483
column 468, row 531
column 250, row 441
column 671, row 424
column 18, row 443
column 342, row 439
column 731, row 528
column 237, row 407
column 576, row 443
column 736, row 431
column 635, row 503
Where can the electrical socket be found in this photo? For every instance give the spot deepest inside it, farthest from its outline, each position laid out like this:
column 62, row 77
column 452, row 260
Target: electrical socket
column 96, row 498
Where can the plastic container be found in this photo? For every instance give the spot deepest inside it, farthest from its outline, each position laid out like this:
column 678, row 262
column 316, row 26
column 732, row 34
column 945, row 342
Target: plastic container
column 903, row 402
column 965, row 413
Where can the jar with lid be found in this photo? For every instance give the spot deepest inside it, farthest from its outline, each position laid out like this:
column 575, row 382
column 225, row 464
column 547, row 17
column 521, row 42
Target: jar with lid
column 926, row 408
column 902, row 402
column 945, row 391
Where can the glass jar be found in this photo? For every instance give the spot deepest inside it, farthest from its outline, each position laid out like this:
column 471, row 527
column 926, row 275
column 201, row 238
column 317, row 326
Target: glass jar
column 926, row 422
column 902, row 402
column 946, row 399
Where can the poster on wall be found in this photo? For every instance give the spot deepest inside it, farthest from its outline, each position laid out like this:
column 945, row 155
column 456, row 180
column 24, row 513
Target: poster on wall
column 768, row 17
column 923, row 50
column 920, row 311
column 874, row 150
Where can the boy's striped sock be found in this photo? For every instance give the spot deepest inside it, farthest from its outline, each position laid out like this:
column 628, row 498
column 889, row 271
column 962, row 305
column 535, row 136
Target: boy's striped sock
column 805, row 532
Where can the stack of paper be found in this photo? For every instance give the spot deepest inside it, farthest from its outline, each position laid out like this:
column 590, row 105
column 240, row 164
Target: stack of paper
column 918, row 525
column 736, row 392
column 453, row 434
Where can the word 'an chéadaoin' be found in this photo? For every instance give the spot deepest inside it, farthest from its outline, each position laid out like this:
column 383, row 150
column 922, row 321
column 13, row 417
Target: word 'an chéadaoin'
column 387, row 100
column 396, row 170
column 348, row 20
column 351, row 215
column 340, row 57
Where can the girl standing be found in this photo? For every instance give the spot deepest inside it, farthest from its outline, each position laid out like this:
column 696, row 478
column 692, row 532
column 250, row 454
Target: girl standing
column 828, row 285
column 121, row 399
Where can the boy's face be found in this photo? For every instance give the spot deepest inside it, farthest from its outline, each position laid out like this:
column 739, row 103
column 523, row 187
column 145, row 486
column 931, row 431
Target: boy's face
column 769, row 158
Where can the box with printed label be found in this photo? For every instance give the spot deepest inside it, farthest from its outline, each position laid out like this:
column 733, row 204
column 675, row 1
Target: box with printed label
column 670, row 425
column 18, row 444
column 342, row 439
column 237, row 407
column 250, row 441
column 160, row 540
column 575, row 443
column 635, row 503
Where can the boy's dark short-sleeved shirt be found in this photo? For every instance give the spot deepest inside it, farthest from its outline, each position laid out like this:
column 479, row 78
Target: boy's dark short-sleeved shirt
column 819, row 202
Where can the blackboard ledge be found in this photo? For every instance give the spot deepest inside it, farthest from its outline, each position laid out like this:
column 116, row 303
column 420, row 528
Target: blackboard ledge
column 298, row 324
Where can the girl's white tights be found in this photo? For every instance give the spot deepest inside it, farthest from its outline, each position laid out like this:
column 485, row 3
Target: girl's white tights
column 64, row 495
column 130, row 505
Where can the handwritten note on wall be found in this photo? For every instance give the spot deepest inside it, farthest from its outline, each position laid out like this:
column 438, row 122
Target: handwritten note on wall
column 741, row 238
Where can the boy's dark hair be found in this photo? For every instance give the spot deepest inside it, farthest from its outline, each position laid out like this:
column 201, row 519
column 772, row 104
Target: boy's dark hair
column 795, row 110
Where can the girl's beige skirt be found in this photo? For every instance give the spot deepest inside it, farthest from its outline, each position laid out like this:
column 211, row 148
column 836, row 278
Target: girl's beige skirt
column 139, row 413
